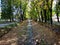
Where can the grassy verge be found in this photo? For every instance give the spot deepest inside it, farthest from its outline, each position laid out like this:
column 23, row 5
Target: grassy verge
column 6, row 29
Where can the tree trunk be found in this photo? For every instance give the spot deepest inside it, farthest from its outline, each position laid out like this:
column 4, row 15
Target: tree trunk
column 51, row 16
column 57, row 13
column 57, row 16
column 45, row 15
column 41, row 16
column 51, row 12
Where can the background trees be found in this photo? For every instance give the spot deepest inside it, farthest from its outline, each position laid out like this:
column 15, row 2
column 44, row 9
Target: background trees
column 6, row 9
column 40, row 10
column 43, row 11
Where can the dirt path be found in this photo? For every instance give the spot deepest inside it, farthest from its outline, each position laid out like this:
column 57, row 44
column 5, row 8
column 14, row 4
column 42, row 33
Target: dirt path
column 18, row 35
column 10, row 38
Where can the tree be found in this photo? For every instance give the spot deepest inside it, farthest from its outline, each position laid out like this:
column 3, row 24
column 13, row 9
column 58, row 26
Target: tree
column 6, row 9
column 57, row 10
column 20, row 6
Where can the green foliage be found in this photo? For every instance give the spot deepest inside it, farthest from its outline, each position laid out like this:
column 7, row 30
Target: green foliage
column 37, row 6
column 6, row 9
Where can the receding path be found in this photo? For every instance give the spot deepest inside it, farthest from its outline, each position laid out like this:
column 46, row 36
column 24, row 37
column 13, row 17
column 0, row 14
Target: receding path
column 19, row 35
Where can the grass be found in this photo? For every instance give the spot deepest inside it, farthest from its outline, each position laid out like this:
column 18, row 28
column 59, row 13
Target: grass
column 6, row 29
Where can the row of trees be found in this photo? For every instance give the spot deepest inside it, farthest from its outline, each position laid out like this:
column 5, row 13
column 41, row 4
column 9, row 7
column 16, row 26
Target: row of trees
column 13, row 9
column 40, row 9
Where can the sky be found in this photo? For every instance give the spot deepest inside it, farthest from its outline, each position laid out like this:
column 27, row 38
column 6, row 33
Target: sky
column 0, row 5
column 54, row 3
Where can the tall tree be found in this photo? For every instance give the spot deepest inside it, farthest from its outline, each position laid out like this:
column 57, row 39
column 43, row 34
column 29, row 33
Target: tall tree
column 6, row 9
column 57, row 10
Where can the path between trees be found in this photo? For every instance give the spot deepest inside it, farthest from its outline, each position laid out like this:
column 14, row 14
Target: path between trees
column 18, row 35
